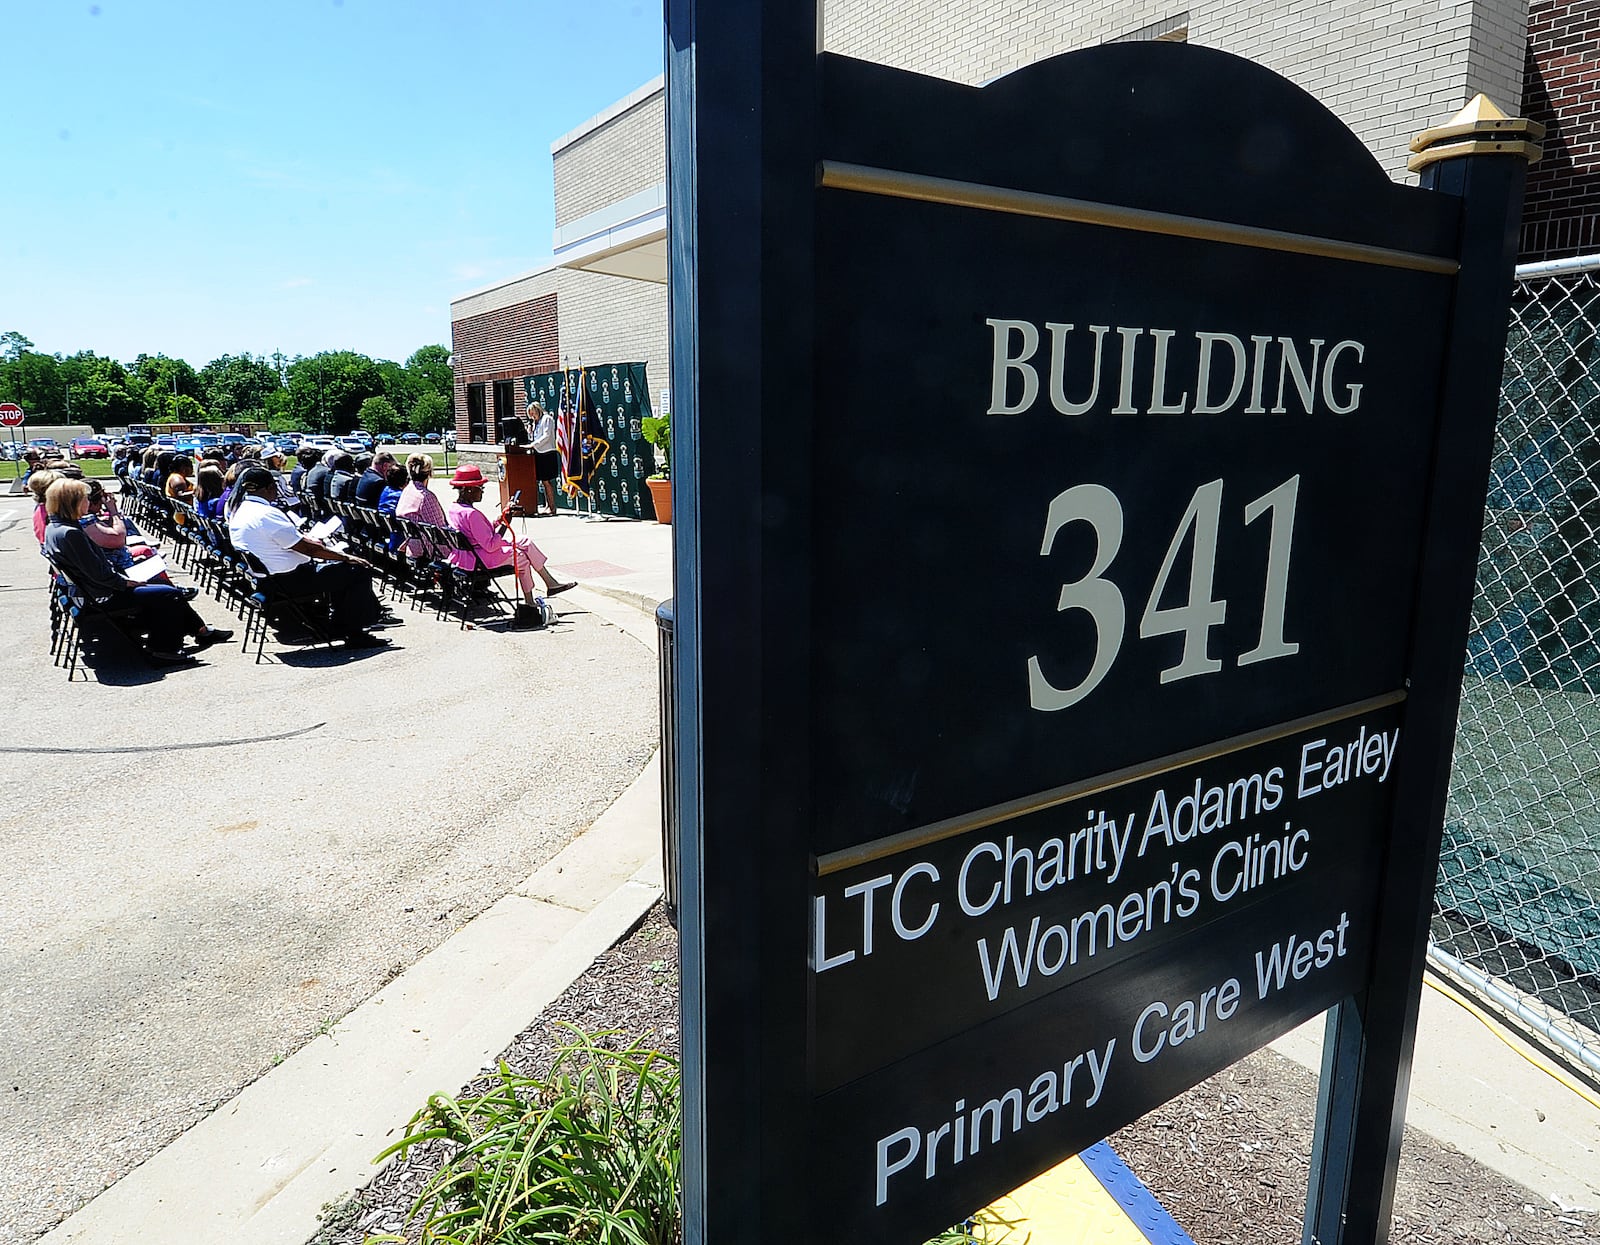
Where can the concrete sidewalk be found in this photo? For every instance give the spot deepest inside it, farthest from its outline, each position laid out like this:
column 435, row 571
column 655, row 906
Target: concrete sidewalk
column 260, row 1168
column 631, row 562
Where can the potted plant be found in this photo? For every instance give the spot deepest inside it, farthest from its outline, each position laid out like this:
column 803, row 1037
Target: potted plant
column 657, row 430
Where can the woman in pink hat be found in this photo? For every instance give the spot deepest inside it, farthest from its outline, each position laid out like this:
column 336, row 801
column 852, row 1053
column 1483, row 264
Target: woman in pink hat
column 493, row 543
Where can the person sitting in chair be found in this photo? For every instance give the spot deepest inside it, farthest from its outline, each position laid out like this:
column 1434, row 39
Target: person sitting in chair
column 490, row 541
column 161, row 612
column 370, row 486
column 342, row 478
column 418, row 503
column 300, row 566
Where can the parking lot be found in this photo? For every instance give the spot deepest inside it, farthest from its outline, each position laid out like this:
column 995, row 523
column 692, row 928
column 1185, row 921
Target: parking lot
column 206, row 866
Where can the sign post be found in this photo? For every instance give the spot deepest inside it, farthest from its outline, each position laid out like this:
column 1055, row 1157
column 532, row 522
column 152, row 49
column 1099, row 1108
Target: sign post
column 11, row 417
column 1103, row 737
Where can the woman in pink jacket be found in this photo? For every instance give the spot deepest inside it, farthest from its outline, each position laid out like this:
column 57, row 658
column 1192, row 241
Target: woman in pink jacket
column 492, row 543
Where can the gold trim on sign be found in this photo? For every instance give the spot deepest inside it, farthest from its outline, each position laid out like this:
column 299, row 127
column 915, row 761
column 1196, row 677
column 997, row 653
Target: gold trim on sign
column 938, row 831
column 1482, row 117
column 836, row 175
column 1531, row 152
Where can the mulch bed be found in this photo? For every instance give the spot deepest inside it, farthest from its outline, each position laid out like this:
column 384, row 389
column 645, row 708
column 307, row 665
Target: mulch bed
column 1229, row 1159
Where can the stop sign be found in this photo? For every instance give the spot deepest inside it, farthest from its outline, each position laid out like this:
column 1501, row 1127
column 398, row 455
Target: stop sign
column 10, row 415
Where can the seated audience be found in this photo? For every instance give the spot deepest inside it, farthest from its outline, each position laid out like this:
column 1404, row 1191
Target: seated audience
column 209, row 487
column 369, row 488
column 179, row 484
column 272, row 459
column 314, row 486
column 418, row 503
column 342, row 478
column 306, row 457
column 394, row 484
column 490, row 541
column 163, row 468
column 298, row 565
column 162, row 613
column 39, row 482
column 117, row 536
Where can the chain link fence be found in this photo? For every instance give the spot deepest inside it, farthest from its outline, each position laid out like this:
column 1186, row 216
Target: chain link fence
column 1517, row 907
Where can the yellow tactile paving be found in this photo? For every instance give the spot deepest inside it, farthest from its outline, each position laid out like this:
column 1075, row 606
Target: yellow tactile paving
column 1066, row 1205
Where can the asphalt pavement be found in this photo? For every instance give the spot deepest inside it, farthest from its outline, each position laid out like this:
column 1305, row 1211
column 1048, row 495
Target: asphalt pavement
column 207, row 867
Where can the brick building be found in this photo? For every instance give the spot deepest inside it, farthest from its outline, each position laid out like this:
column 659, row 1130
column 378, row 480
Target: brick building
column 1388, row 70
column 1561, row 215
column 604, row 298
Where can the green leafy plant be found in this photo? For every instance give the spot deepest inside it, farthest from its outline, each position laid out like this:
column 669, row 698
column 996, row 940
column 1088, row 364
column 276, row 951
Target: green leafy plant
column 657, row 430
column 588, row 1153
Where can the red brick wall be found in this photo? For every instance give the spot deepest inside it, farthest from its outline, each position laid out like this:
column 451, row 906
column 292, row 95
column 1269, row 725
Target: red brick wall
column 1561, row 215
column 502, row 345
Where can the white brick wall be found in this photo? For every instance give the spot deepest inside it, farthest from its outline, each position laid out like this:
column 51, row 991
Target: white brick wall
column 614, row 320
column 625, row 155
column 1387, row 69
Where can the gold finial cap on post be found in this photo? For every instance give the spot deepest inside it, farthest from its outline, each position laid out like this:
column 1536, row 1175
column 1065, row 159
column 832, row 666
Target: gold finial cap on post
column 1478, row 129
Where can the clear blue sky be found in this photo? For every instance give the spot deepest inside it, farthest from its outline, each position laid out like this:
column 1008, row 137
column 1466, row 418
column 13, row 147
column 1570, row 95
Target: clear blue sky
column 207, row 177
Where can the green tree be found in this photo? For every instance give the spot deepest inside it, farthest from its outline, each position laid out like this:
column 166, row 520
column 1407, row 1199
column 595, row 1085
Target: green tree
column 34, row 381
column 430, row 368
column 158, row 378
column 432, row 364
column 101, row 391
column 235, row 384
column 12, row 345
column 430, row 413
column 180, row 409
column 326, row 390
column 377, row 415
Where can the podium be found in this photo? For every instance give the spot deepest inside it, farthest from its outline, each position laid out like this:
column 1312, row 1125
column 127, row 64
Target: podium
column 520, row 474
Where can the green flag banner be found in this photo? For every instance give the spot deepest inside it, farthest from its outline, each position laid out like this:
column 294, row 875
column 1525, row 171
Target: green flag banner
column 615, row 401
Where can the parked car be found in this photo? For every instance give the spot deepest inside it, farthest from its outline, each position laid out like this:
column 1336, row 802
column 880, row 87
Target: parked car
column 90, row 447
column 352, row 445
column 432, row 438
column 358, row 435
column 233, row 440
column 383, row 438
column 410, row 438
column 166, row 441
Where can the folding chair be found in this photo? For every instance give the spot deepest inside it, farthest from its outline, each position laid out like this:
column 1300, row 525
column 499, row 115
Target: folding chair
column 479, row 582
column 212, row 558
column 265, row 608
column 430, row 570
column 70, row 610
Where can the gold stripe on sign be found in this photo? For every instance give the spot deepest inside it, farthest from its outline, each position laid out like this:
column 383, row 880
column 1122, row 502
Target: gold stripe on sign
column 836, row 175
column 937, row 832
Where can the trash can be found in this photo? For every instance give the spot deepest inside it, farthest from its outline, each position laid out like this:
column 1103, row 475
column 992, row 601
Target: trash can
column 666, row 629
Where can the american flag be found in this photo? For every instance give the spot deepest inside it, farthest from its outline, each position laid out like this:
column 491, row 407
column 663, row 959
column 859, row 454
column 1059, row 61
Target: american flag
column 566, row 428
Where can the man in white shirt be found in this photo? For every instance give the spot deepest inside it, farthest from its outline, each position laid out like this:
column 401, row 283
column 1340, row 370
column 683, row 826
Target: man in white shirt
column 296, row 564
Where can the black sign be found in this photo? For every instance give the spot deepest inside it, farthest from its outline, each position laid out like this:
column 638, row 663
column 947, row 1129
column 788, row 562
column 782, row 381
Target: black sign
column 1024, row 908
column 1050, row 708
